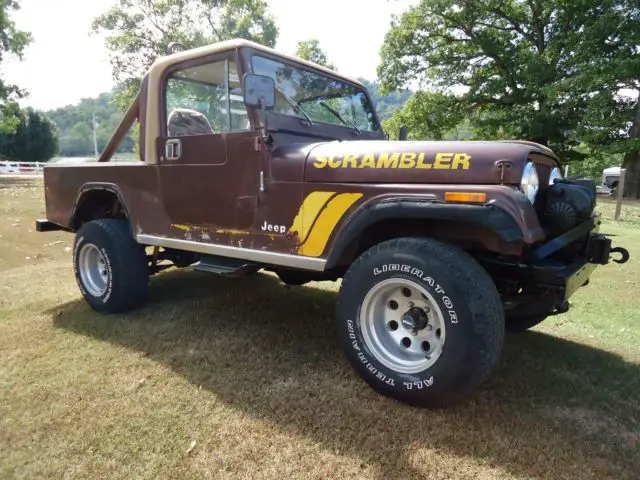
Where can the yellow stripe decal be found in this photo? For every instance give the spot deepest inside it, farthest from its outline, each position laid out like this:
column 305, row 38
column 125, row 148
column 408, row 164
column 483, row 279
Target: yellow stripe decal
column 329, row 218
column 308, row 213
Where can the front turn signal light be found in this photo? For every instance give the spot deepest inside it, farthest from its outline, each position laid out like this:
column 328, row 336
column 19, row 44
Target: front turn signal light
column 465, row 197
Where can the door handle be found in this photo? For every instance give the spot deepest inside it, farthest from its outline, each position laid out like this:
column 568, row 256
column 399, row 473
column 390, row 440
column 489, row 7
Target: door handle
column 173, row 149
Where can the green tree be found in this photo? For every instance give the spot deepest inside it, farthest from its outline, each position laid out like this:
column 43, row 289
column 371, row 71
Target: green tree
column 139, row 31
column 75, row 130
column 595, row 162
column 12, row 42
column 544, row 70
column 34, row 138
column 427, row 115
column 311, row 51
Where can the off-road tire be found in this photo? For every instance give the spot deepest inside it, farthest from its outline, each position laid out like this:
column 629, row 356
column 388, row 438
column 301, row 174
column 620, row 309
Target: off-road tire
column 470, row 305
column 125, row 262
column 522, row 324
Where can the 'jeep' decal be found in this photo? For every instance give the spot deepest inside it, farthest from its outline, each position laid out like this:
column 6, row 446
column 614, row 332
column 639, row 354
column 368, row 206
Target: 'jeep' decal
column 441, row 161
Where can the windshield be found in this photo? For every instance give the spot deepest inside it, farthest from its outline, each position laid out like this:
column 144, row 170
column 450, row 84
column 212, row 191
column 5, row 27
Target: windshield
column 314, row 92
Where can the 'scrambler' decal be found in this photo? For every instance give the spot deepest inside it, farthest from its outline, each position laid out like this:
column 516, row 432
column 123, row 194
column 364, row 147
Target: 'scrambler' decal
column 319, row 214
column 407, row 160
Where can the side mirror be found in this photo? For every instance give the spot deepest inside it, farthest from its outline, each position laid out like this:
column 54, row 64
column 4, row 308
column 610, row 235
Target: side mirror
column 403, row 133
column 259, row 91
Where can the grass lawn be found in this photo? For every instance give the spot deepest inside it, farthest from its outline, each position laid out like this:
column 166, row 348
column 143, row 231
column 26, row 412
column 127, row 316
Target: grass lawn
column 220, row 378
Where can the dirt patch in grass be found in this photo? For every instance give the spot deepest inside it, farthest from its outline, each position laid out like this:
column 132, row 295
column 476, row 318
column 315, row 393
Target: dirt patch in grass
column 221, row 378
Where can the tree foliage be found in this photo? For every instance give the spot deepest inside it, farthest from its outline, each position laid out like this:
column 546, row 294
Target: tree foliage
column 432, row 116
column 34, row 138
column 12, row 42
column 596, row 160
column 139, row 31
column 544, row 70
column 311, row 51
column 75, row 130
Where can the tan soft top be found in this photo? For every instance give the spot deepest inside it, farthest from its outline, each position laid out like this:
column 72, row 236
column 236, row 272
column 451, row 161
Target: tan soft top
column 152, row 80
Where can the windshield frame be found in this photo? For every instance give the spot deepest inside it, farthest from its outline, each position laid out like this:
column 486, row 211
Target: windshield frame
column 323, row 73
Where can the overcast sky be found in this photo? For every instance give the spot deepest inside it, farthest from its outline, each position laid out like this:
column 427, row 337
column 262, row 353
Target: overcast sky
column 64, row 63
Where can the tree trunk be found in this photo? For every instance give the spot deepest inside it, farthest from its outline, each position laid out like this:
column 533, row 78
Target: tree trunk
column 632, row 160
column 632, row 177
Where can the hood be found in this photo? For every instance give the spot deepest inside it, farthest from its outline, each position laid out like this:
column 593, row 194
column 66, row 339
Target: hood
column 456, row 162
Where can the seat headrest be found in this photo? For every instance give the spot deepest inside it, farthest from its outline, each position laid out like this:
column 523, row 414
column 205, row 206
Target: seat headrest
column 183, row 122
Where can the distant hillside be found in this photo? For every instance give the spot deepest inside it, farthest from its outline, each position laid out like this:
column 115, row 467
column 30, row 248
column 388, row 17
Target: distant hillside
column 386, row 105
column 75, row 130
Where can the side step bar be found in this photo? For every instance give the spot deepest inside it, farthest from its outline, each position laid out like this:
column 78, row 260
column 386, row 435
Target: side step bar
column 231, row 267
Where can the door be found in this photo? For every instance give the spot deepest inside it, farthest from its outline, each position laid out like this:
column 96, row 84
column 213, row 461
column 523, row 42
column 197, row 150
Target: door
column 206, row 185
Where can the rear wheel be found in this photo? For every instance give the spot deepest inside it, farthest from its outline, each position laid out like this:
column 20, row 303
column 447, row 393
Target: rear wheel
column 110, row 267
column 420, row 320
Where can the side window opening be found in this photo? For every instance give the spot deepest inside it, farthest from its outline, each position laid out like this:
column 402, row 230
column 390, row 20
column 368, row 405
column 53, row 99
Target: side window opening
column 205, row 99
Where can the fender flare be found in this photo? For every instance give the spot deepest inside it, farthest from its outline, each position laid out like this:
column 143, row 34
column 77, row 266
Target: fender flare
column 93, row 186
column 489, row 216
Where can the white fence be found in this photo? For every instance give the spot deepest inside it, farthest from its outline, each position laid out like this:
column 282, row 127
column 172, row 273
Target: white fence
column 21, row 168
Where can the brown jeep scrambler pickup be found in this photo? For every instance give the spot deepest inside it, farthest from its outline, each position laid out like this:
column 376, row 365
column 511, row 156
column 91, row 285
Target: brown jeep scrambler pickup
column 252, row 160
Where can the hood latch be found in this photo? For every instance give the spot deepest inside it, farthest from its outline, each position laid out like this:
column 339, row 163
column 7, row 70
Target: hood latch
column 503, row 165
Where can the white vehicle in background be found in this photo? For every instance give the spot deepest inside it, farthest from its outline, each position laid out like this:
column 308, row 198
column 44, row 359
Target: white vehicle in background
column 8, row 167
column 610, row 179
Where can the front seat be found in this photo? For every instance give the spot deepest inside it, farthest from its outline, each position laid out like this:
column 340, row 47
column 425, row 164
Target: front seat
column 183, row 122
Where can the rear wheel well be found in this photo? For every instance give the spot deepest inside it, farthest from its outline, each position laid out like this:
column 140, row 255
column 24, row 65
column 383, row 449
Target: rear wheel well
column 95, row 204
column 465, row 235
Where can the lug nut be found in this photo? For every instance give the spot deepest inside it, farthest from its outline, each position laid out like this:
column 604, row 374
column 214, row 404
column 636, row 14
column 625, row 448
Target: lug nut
column 429, row 327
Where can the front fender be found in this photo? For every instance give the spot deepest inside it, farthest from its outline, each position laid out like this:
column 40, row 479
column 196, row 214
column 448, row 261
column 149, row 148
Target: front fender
column 489, row 216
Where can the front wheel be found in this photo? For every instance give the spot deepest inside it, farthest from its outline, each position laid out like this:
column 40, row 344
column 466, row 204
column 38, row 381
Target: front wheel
column 110, row 267
column 421, row 321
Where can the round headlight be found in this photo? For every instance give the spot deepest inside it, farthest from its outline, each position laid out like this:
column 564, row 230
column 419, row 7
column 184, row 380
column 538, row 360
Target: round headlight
column 555, row 174
column 530, row 182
